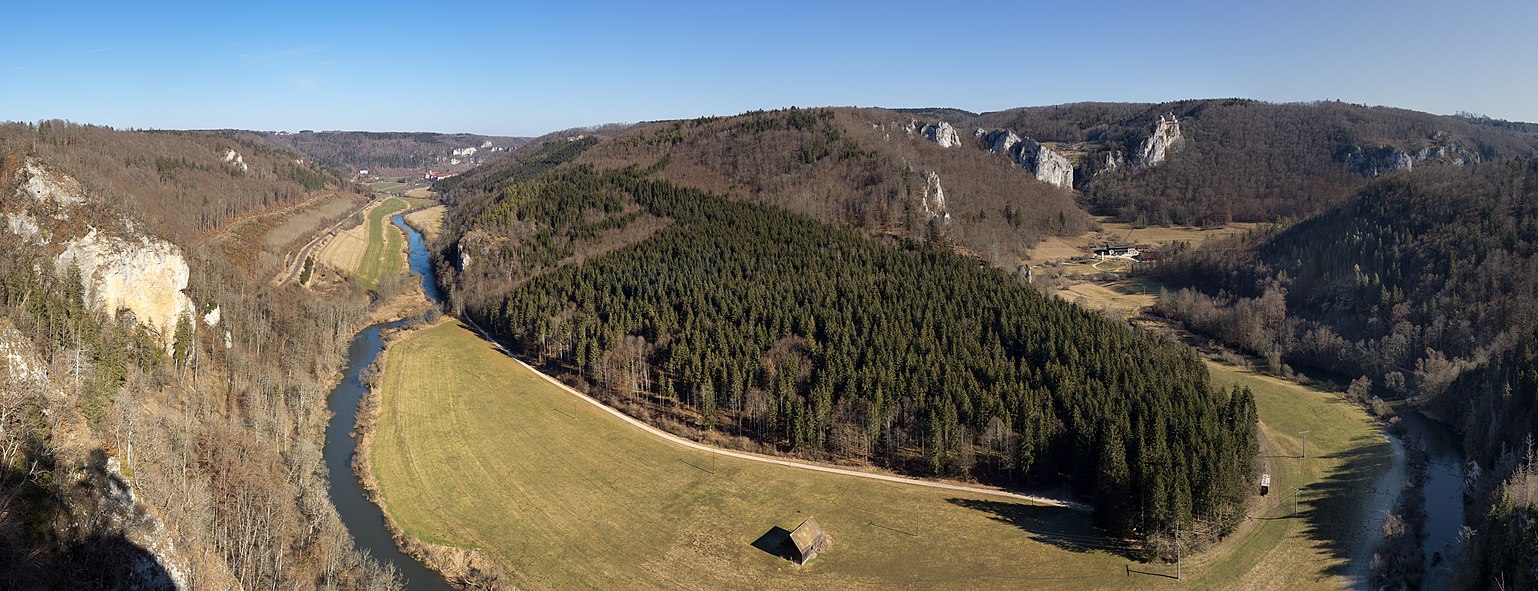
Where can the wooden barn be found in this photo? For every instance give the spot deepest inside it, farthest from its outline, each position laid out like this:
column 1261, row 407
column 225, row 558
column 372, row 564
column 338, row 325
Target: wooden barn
column 803, row 542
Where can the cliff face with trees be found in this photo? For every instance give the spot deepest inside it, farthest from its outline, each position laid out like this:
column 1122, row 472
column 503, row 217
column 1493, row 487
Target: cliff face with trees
column 1424, row 283
column 126, row 464
column 868, row 168
column 1243, row 160
column 744, row 322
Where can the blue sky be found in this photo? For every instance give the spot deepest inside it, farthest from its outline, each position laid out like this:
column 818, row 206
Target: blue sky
column 528, row 68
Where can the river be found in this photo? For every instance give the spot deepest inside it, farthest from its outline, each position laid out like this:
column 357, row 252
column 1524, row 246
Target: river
column 363, row 519
column 1443, row 491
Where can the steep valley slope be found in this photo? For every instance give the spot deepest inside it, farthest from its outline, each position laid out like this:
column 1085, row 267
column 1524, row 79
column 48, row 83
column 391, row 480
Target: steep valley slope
column 163, row 404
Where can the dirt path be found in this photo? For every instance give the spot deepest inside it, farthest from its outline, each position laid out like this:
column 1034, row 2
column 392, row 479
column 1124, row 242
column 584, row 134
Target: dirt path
column 1040, row 500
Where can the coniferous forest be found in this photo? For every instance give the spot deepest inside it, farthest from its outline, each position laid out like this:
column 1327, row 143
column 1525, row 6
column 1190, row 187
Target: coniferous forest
column 820, row 340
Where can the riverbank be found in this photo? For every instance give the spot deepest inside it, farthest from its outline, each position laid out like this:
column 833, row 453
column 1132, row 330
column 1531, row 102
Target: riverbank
column 462, row 567
column 364, row 520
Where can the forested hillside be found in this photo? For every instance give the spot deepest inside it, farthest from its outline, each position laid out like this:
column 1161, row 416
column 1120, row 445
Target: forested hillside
column 386, row 153
column 1425, row 283
column 132, row 457
column 868, row 168
column 730, row 319
column 178, row 185
column 1244, row 160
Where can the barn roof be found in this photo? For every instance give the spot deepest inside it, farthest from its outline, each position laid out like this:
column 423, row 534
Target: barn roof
column 806, row 536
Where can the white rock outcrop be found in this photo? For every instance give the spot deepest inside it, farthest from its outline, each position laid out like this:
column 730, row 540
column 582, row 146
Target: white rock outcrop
column 233, row 158
column 942, row 133
column 1114, row 161
column 1376, row 160
column 1047, row 165
column 146, row 277
column 212, row 317
column 25, row 226
column 1157, row 147
column 933, row 199
column 49, row 188
column 21, row 364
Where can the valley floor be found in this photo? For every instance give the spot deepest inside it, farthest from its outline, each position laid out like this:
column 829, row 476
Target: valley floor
column 474, row 449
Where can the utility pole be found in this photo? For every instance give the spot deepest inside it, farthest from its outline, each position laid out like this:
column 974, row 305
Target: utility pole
column 1177, row 548
column 1296, row 492
column 1305, row 442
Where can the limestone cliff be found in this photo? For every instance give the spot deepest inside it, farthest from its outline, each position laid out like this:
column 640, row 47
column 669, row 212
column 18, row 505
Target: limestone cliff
column 234, row 159
column 1165, row 137
column 1047, row 165
column 143, row 276
column 943, row 134
column 1113, row 161
column 933, row 198
column 1376, row 160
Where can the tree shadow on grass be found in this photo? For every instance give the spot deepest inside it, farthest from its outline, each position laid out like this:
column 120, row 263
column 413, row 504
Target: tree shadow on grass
column 1057, row 526
column 1332, row 513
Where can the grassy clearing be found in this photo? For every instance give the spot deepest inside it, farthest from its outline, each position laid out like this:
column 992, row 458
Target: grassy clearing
column 263, row 240
column 1117, row 231
column 1348, row 480
column 343, row 251
column 474, row 450
column 1120, row 299
column 386, row 186
column 384, row 253
column 1062, row 248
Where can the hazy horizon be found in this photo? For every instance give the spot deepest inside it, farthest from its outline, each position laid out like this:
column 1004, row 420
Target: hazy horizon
column 494, row 69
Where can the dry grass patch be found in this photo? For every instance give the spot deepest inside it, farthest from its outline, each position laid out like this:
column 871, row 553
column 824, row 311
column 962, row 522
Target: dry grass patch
column 428, row 221
column 1064, row 248
column 305, row 222
column 1120, row 299
column 372, row 250
column 343, row 251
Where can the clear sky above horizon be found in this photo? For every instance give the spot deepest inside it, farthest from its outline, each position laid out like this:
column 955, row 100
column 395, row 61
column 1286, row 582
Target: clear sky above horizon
column 515, row 68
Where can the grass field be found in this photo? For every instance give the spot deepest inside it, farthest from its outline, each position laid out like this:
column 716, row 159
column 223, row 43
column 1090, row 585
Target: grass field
column 473, row 449
column 1122, row 299
column 384, row 252
column 429, row 221
column 1348, row 482
column 1058, row 248
column 387, row 186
